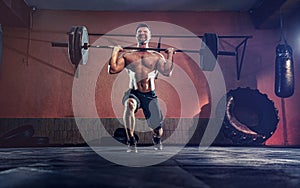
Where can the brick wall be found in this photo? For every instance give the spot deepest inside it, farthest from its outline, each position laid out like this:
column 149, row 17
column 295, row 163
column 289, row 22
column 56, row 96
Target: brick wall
column 65, row 131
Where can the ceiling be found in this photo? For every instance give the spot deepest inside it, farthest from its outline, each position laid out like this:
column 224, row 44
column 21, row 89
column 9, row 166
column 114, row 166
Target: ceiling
column 264, row 13
column 144, row 5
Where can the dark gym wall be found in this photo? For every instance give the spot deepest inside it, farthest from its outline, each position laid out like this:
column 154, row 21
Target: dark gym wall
column 36, row 79
column 0, row 44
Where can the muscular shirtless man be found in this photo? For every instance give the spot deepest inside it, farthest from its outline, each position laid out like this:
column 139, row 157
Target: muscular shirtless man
column 142, row 67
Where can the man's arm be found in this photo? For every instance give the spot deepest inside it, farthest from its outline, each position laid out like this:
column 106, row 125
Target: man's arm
column 165, row 66
column 117, row 61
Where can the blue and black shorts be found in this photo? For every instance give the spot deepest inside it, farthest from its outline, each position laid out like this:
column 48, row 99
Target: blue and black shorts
column 149, row 103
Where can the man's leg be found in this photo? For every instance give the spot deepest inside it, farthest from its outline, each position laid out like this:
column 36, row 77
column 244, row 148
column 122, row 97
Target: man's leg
column 129, row 122
column 155, row 121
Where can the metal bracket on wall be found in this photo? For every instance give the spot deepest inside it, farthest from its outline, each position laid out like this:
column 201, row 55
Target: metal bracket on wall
column 239, row 63
column 239, row 57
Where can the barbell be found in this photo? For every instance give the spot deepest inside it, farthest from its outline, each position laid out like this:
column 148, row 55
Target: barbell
column 78, row 48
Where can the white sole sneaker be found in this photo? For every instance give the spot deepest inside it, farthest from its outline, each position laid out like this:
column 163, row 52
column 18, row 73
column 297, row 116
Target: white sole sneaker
column 158, row 147
column 132, row 149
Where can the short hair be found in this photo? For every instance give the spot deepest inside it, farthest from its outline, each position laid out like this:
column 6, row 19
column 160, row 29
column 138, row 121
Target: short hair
column 142, row 25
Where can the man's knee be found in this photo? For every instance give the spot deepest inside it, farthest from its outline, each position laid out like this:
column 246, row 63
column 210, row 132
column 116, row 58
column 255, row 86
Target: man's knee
column 158, row 128
column 131, row 104
column 158, row 131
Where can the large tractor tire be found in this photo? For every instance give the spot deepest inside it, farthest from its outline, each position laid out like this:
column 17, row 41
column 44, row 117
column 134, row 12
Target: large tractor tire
column 250, row 117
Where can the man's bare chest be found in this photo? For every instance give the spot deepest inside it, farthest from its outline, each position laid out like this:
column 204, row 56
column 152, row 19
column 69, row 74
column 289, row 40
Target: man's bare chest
column 141, row 60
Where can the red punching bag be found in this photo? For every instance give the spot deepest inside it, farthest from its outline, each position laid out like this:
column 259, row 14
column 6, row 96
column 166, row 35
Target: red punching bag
column 284, row 71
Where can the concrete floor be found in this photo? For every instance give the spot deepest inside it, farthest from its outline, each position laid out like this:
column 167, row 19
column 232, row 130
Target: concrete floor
column 215, row 167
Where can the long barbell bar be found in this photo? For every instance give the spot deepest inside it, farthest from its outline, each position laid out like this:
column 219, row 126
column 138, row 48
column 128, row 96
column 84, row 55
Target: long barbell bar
column 78, row 47
column 170, row 36
column 86, row 46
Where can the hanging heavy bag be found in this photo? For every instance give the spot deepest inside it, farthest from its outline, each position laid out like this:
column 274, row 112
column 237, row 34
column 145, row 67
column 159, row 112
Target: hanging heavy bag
column 284, row 71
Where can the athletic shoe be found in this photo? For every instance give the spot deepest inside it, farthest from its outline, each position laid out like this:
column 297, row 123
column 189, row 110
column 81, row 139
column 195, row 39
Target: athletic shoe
column 132, row 145
column 157, row 143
